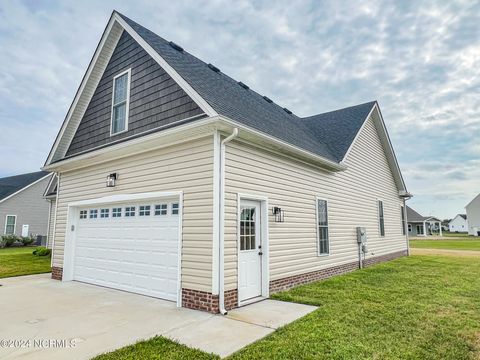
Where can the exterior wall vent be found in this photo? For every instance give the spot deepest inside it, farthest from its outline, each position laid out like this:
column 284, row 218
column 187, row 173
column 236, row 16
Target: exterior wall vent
column 176, row 46
column 213, row 67
column 243, row 85
column 267, row 99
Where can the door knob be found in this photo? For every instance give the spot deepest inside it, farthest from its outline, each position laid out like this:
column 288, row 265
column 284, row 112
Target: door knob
column 260, row 253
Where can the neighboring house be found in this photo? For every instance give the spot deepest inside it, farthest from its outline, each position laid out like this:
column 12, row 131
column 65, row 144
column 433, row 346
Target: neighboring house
column 458, row 224
column 178, row 182
column 23, row 210
column 419, row 225
column 473, row 215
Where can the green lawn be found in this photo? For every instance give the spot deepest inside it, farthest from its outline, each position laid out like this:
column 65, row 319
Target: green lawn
column 21, row 261
column 421, row 307
column 450, row 244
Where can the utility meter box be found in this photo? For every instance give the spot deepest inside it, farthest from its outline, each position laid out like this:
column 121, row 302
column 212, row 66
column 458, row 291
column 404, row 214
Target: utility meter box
column 361, row 235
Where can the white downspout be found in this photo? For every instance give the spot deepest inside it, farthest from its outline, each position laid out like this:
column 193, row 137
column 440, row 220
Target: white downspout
column 221, row 237
column 405, row 226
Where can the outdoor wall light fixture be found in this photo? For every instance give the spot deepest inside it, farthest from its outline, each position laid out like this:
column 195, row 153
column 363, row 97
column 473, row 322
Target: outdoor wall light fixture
column 111, row 179
column 279, row 214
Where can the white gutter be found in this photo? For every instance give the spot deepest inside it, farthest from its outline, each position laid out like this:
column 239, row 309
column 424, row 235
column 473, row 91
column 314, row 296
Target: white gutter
column 221, row 237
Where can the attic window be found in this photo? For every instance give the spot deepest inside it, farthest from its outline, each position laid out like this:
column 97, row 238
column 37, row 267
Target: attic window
column 243, row 85
column 120, row 102
column 213, row 67
column 267, row 99
column 287, row 111
column 176, row 46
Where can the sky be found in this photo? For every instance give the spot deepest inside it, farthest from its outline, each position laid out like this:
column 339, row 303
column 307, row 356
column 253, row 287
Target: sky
column 419, row 59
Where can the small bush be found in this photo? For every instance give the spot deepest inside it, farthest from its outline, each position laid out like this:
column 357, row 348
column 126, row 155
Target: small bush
column 27, row 240
column 41, row 251
column 8, row 240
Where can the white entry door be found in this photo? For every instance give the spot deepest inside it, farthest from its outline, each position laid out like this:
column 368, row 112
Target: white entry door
column 131, row 246
column 250, row 251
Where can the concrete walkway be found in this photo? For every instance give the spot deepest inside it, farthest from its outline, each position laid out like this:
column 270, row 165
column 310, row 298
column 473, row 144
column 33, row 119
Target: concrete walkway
column 42, row 318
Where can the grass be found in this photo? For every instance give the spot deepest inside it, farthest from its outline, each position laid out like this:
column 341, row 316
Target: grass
column 450, row 244
column 421, row 307
column 156, row 348
column 21, row 261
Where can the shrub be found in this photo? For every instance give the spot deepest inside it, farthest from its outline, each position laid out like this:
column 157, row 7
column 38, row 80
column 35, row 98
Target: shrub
column 27, row 240
column 41, row 251
column 8, row 240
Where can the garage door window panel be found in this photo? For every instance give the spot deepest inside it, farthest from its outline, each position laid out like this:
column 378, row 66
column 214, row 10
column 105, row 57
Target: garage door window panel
column 175, row 207
column 144, row 210
column 117, row 212
column 130, row 211
column 161, row 209
column 93, row 214
column 104, row 213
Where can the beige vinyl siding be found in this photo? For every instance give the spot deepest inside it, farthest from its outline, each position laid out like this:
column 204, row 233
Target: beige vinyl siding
column 186, row 167
column 51, row 222
column 352, row 197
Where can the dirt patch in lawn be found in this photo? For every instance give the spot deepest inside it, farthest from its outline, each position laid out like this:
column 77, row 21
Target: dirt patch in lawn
column 418, row 251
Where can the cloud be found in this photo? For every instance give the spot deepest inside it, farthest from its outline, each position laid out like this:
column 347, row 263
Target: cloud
column 420, row 60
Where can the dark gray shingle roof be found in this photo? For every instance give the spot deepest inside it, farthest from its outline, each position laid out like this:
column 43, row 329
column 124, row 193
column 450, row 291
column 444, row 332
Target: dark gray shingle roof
column 413, row 216
column 328, row 135
column 12, row 184
column 464, row 216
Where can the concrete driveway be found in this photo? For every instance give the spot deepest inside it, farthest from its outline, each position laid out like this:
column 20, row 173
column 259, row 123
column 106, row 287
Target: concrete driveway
column 42, row 318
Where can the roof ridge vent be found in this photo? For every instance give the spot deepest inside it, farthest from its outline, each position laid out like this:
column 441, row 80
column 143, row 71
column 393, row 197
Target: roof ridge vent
column 287, row 111
column 267, row 99
column 175, row 46
column 213, row 67
column 243, row 85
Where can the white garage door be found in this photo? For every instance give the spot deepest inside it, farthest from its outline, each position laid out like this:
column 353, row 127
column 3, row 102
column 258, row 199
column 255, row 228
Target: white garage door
column 130, row 246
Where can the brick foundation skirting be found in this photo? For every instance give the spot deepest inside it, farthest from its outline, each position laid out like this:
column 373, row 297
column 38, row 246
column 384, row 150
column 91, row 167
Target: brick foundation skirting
column 57, row 273
column 292, row 281
column 202, row 300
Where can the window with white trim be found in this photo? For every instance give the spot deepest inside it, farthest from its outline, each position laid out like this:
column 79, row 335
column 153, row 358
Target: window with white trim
column 322, row 227
column 144, row 210
column 161, row 209
column 403, row 219
column 117, row 212
column 120, row 102
column 381, row 219
column 93, row 214
column 130, row 211
column 104, row 213
column 83, row 214
column 175, row 207
column 10, row 222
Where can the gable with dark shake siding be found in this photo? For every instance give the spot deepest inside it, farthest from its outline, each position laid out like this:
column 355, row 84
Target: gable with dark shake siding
column 156, row 100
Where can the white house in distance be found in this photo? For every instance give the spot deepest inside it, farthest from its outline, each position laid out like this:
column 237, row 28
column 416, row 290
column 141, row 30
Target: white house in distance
column 458, row 224
column 473, row 216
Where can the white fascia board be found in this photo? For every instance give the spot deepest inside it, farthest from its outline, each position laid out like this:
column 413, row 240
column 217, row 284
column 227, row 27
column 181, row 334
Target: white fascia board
column 49, row 185
column 166, row 66
column 79, row 92
column 24, row 188
column 294, row 150
column 189, row 131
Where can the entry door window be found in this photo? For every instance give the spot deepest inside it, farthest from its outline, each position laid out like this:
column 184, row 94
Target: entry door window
column 247, row 229
column 420, row 229
column 10, row 225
